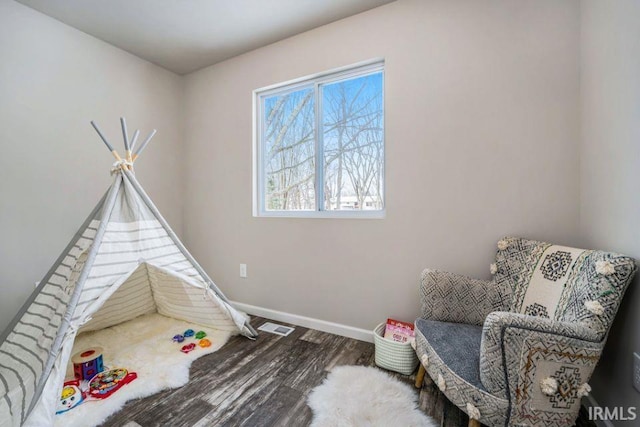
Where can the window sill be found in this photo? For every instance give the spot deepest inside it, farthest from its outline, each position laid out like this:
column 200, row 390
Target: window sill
column 323, row 214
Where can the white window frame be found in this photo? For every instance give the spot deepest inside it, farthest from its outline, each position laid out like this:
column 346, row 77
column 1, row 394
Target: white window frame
column 351, row 71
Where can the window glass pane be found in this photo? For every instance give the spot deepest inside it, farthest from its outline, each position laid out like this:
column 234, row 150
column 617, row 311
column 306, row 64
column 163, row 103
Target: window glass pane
column 289, row 151
column 352, row 131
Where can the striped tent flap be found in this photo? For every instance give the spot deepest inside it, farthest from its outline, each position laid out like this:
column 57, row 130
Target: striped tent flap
column 26, row 347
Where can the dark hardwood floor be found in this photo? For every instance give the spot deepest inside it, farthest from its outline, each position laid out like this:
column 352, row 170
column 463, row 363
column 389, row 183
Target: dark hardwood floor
column 265, row 383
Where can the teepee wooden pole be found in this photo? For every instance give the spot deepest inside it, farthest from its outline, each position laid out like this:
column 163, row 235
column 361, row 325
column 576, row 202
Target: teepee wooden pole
column 132, row 144
column 123, row 124
column 143, row 145
column 109, row 146
column 125, row 136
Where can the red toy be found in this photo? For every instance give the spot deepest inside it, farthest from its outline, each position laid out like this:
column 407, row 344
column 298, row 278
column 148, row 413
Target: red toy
column 187, row 348
column 106, row 383
column 87, row 363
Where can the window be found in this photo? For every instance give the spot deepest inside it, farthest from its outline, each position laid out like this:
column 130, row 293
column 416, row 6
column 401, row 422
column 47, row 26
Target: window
column 319, row 145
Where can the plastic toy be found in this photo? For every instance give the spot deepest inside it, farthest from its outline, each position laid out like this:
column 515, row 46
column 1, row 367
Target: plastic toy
column 71, row 396
column 106, row 383
column 189, row 333
column 200, row 335
column 187, row 348
column 178, row 338
column 204, row 343
column 87, row 363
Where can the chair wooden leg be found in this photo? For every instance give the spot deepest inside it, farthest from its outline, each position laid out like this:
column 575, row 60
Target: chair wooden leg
column 420, row 376
column 474, row 423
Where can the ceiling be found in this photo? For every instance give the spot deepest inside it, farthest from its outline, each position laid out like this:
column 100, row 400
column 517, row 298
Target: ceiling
column 186, row 35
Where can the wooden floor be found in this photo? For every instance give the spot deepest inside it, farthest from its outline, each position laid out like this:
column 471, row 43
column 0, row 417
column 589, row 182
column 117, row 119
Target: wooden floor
column 265, row 383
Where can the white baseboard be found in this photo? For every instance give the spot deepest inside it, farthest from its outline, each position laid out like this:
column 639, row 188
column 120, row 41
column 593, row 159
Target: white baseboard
column 590, row 402
column 307, row 322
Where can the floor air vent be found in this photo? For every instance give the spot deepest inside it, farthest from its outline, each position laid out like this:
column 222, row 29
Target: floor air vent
column 274, row 328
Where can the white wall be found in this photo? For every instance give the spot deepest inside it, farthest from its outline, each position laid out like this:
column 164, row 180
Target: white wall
column 53, row 168
column 610, row 171
column 482, row 130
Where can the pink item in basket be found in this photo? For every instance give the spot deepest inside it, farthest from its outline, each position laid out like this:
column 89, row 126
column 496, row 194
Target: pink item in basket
column 399, row 331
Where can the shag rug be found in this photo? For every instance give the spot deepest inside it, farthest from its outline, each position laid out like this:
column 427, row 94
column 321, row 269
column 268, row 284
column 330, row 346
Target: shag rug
column 143, row 345
column 354, row 396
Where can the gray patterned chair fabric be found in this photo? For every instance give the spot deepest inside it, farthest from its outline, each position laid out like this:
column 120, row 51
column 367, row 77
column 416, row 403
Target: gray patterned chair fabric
column 519, row 350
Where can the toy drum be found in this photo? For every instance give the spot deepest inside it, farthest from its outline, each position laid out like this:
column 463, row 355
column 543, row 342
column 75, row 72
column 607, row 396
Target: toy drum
column 87, row 363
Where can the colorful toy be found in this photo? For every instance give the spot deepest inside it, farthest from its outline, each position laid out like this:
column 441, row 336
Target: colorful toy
column 204, row 343
column 187, row 348
column 71, row 396
column 178, row 338
column 87, row 363
column 189, row 333
column 106, row 383
column 200, row 335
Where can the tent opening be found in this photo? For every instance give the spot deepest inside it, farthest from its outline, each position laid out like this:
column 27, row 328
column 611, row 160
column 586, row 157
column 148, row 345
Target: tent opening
column 152, row 289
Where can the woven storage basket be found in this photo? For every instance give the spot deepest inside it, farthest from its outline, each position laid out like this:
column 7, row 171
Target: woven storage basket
column 394, row 356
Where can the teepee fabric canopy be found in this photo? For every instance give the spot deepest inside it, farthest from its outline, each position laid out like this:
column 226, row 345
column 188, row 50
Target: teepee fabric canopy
column 124, row 261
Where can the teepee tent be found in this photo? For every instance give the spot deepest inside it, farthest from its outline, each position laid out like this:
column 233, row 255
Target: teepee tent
column 124, row 261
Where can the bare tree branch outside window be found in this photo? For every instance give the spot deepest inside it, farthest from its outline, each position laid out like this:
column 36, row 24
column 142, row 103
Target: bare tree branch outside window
column 350, row 147
column 353, row 143
column 290, row 151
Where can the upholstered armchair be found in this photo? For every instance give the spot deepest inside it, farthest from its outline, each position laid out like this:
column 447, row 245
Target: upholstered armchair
column 519, row 350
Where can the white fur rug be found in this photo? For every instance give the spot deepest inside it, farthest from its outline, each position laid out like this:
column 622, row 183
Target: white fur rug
column 142, row 345
column 359, row 396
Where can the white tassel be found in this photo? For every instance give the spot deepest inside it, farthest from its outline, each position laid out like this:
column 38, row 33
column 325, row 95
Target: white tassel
column 594, row 307
column 441, row 384
column 549, row 386
column 493, row 268
column 605, row 268
column 425, row 360
column 473, row 412
column 413, row 344
column 503, row 244
column 584, row 390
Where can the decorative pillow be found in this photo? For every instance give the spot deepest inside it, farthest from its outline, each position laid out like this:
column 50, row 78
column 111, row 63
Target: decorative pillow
column 538, row 273
column 515, row 261
column 595, row 295
column 554, row 271
column 563, row 283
